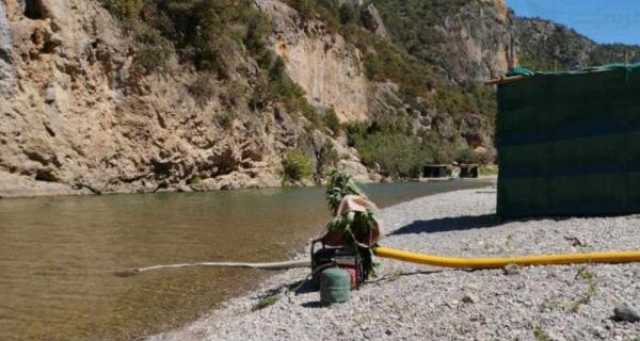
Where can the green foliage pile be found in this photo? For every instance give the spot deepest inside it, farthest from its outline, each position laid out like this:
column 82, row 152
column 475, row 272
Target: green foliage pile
column 339, row 186
column 354, row 227
column 297, row 166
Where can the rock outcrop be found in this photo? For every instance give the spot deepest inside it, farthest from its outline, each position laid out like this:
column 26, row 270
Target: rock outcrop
column 7, row 71
column 78, row 116
column 480, row 40
column 327, row 68
column 372, row 20
column 82, row 121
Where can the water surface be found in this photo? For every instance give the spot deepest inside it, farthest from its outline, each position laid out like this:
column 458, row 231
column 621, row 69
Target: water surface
column 58, row 255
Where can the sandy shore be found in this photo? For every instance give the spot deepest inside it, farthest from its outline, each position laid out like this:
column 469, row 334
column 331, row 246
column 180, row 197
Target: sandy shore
column 411, row 302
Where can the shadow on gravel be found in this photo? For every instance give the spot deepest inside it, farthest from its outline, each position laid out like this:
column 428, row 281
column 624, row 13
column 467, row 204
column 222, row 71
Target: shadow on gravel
column 449, row 224
column 304, row 287
column 312, row 304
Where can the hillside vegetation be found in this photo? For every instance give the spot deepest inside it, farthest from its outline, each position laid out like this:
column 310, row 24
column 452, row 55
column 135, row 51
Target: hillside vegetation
column 392, row 142
column 548, row 46
column 211, row 35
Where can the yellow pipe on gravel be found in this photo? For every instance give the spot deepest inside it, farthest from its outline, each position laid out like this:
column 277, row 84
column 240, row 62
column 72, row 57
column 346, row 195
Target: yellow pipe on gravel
column 500, row 262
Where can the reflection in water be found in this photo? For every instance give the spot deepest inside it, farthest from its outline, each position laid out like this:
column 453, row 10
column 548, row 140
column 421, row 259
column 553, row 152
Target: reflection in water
column 58, row 255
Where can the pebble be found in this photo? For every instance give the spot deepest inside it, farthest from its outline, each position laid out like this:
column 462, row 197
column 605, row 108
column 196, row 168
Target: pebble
column 624, row 313
column 511, row 269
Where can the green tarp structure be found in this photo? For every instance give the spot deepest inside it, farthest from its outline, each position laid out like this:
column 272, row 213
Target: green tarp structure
column 569, row 143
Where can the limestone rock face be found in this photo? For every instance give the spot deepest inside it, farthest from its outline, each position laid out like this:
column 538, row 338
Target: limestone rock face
column 82, row 120
column 373, row 21
column 7, row 71
column 481, row 38
column 323, row 64
column 77, row 117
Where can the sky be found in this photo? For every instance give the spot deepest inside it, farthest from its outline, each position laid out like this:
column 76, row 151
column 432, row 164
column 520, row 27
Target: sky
column 605, row 21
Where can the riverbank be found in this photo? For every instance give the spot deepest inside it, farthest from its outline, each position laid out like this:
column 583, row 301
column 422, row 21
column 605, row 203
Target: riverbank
column 411, row 302
column 14, row 186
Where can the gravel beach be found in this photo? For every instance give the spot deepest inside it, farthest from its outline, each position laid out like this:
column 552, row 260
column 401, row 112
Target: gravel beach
column 414, row 302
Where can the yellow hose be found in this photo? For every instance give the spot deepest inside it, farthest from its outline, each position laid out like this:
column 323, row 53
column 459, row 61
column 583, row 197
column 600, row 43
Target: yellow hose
column 500, row 262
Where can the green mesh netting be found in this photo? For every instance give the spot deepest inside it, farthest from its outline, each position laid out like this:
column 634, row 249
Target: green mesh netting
column 569, row 143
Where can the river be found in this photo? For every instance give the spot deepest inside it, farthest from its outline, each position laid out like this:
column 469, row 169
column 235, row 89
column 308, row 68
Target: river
column 58, row 255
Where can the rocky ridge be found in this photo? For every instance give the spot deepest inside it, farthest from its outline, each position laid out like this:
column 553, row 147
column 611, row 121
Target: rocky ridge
column 548, row 46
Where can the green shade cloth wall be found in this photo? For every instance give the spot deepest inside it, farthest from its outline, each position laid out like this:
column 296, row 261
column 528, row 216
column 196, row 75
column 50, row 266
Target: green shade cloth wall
column 569, row 143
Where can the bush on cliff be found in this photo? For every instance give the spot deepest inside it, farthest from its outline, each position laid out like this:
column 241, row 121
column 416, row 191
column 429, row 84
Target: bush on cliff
column 210, row 35
column 297, row 166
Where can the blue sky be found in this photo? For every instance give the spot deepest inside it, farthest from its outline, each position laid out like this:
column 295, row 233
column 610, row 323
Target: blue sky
column 605, row 21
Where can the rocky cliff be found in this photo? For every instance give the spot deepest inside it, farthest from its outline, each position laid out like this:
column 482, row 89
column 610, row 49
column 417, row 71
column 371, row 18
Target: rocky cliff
column 80, row 117
column 102, row 96
column 327, row 68
column 468, row 41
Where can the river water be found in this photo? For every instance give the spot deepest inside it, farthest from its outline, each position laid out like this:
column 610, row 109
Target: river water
column 58, row 255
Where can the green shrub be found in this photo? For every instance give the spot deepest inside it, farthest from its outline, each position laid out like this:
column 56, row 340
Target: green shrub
column 402, row 156
column 206, row 33
column 305, row 8
column 397, row 154
column 467, row 156
column 327, row 159
column 225, row 119
column 489, row 170
column 349, row 14
column 442, row 151
column 332, row 122
column 297, row 166
column 356, row 130
column 124, row 9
